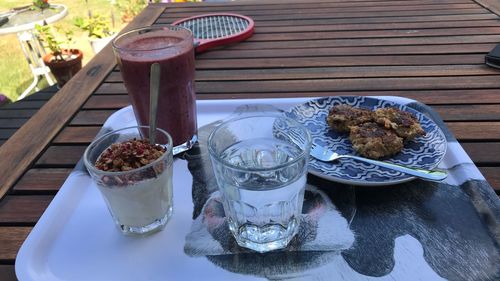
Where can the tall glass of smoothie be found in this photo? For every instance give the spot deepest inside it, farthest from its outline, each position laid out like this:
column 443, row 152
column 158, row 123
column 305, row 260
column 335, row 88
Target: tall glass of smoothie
column 171, row 47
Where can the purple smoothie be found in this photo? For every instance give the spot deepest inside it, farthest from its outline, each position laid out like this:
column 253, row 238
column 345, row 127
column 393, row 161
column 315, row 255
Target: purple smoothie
column 173, row 50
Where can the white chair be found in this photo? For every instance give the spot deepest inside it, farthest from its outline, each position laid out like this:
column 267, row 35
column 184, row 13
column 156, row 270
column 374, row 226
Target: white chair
column 33, row 51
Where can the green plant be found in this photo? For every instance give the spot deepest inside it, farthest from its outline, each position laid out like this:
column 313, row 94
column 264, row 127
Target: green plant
column 97, row 26
column 54, row 43
column 41, row 4
column 130, row 8
column 14, row 80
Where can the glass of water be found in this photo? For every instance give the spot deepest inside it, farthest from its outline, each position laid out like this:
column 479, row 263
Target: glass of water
column 261, row 172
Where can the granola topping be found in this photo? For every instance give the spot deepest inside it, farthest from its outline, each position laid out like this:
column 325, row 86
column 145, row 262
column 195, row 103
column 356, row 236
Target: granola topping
column 128, row 155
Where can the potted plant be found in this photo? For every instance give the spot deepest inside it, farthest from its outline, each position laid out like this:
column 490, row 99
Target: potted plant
column 64, row 63
column 98, row 29
column 131, row 8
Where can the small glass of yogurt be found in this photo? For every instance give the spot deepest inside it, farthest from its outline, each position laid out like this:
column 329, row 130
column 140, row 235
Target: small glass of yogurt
column 134, row 177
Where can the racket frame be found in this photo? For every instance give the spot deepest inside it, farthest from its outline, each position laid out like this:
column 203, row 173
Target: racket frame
column 202, row 45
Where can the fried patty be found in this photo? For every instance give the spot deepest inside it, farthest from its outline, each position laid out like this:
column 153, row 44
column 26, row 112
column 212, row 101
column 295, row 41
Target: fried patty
column 402, row 122
column 343, row 116
column 374, row 141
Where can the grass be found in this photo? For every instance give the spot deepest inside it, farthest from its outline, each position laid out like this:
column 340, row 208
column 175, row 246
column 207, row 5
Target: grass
column 16, row 75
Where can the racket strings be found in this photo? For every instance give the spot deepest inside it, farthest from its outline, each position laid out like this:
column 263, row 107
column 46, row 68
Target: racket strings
column 214, row 27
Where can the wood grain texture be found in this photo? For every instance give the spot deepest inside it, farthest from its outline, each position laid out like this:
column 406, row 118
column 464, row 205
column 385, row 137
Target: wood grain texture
column 431, row 97
column 464, row 131
column 483, row 153
column 330, row 72
column 61, row 156
column 334, row 14
column 11, row 239
column 12, row 123
column 7, row 273
column 44, row 181
column 331, row 85
column 26, row 210
column 492, row 175
column 7, row 133
column 471, row 112
column 354, row 84
column 314, row 6
column 107, row 102
column 265, row 27
column 76, row 135
column 334, row 21
column 26, row 144
column 365, row 51
column 361, row 42
column 19, row 113
column 492, row 5
column 475, row 131
column 91, row 117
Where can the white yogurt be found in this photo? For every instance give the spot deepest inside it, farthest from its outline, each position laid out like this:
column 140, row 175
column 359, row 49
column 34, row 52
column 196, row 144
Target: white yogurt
column 142, row 203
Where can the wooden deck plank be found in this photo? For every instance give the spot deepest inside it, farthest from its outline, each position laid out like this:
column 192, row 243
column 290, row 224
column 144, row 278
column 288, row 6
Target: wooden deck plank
column 266, row 4
column 377, row 26
column 348, row 10
column 330, row 8
column 349, row 51
column 61, row 156
column 272, row 5
column 334, row 72
column 470, row 131
column 492, row 175
column 430, row 97
column 24, row 104
column 7, row 272
column 331, row 14
column 469, row 112
column 449, row 111
column 25, row 210
column 12, row 122
column 463, row 131
column 7, row 133
column 334, row 85
column 367, row 20
column 76, row 135
column 16, row 114
column 359, row 42
column 107, row 102
column 374, row 34
column 402, row 60
column 483, row 153
column 492, row 5
column 337, row 72
column 91, row 117
column 46, row 181
column 11, row 239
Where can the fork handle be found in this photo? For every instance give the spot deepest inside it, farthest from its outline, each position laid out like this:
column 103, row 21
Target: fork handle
column 435, row 175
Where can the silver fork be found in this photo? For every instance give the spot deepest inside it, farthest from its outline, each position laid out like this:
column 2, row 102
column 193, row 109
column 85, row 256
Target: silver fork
column 326, row 155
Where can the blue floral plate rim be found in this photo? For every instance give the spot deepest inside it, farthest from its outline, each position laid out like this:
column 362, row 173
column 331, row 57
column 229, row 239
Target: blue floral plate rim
column 424, row 152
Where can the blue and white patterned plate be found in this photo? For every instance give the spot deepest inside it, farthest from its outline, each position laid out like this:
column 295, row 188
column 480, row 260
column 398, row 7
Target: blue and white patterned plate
column 424, row 152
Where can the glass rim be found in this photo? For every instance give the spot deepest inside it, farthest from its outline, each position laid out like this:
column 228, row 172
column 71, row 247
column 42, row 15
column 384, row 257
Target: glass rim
column 91, row 166
column 154, row 27
column 216, row 156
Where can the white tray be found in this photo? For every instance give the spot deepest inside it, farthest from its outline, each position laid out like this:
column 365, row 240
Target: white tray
column 75, row 239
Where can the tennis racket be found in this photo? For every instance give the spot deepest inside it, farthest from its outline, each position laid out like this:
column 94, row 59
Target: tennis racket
column 212, row 30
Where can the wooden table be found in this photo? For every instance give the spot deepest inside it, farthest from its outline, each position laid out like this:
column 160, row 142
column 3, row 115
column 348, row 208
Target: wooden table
column 428, row 50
